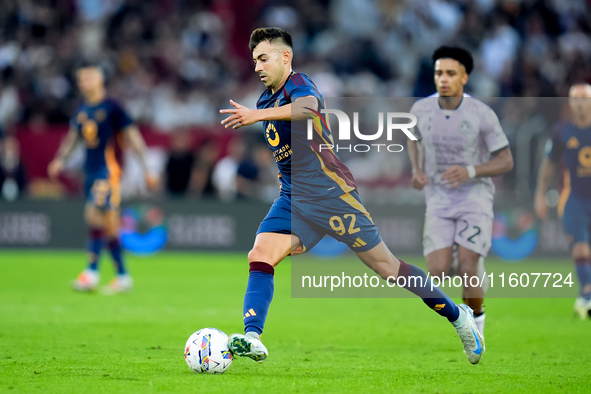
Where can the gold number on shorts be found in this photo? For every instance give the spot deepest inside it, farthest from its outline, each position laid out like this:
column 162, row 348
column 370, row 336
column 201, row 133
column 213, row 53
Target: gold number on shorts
column 352, row 229
column 339, row 227
column 336, row 223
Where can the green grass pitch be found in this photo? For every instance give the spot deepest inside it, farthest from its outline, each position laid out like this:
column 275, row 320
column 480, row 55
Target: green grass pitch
column 58, row 341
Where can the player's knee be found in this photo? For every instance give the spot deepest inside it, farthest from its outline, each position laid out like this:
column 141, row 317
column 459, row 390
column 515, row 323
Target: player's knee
column 94, row 221
column 468, row 267
column 253, row 255
column 258, row 253
column 386, row 270
column 110, row 233
column 437, row 268
column 581, row 251
column 388, row 275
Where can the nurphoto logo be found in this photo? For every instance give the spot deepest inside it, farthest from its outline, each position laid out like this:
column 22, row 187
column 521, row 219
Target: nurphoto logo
column 344, row 133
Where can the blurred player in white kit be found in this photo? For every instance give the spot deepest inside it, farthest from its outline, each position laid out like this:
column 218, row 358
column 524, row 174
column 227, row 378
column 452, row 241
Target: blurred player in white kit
column 460, row 146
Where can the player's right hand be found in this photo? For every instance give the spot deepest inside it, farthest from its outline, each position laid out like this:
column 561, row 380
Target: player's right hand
column 152, row 182
column 541, row 206
column 419, row 180
column 239, row 116
column 54, row 168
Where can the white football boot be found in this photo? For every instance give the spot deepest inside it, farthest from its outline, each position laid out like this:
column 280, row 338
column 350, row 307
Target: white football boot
column 469, row 334
column 119, row 284
column 87, row 281
column 122, row 283
column 248, row 345
column 583, row 308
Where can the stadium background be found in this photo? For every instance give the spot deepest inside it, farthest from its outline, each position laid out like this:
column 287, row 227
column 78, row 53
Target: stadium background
column 173, row 64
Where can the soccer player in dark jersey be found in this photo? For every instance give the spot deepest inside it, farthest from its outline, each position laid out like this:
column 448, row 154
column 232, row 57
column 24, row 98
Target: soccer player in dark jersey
column 103, row 126
column 323, row 201
column 571, row 143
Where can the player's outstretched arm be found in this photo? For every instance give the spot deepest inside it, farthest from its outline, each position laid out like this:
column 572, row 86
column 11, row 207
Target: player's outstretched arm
column 65, row 149
column 545, row 175
column 138, row 145
column 501, row 163
column 419, row 179
column 243, row 116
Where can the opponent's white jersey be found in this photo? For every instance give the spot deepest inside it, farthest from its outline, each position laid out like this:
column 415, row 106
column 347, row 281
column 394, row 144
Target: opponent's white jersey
column 464, row 136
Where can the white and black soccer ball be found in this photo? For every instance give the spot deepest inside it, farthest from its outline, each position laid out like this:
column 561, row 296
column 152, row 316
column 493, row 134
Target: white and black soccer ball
column 207, row 351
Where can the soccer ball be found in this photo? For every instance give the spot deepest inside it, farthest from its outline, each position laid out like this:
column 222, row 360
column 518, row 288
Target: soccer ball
column 207, row 351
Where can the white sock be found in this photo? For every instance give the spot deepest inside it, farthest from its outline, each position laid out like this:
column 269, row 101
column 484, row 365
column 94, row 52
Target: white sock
column 461, row 318
column 479, row 320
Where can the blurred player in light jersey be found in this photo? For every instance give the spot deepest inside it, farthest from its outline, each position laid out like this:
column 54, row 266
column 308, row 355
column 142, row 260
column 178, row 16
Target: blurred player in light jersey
column 461, row 145
column 324, row 201
column 103, row 125
column 571, row 143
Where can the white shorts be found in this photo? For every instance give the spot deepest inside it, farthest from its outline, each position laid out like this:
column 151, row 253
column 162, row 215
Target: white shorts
column 470, row 230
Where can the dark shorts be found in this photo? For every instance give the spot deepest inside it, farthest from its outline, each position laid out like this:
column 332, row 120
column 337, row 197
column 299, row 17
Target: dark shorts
column 344, row 218
column 577, row 218
column 102, row 192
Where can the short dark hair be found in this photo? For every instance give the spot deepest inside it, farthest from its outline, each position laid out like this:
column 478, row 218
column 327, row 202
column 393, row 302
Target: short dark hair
column 88, row 64
column 269, row 34
column 102, row 67
column 460, row 54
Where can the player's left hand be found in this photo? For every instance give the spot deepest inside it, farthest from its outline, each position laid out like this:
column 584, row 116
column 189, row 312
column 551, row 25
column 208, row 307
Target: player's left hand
column 454, row 176
column 240, row 116
column 152, row 182
column 541, row 206
column 419, row 179
column 54, row 168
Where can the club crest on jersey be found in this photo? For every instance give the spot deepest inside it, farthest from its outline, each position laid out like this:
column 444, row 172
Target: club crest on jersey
column 572, row 143
column 276, row 103
column 465, row 127
column 272, row 135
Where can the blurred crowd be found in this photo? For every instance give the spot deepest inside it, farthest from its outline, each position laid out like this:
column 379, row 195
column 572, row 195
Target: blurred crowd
column 174, row 63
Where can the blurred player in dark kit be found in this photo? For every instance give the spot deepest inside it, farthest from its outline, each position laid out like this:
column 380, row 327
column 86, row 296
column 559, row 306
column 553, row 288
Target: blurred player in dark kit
column 103, row 126
column 571, row 143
